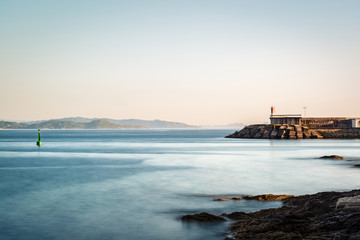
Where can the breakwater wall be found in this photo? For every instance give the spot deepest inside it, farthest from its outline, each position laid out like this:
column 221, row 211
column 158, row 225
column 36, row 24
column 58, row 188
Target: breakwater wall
column 285, row 131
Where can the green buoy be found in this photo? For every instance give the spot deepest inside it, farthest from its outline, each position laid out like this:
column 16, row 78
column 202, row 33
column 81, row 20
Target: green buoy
column 38, row 143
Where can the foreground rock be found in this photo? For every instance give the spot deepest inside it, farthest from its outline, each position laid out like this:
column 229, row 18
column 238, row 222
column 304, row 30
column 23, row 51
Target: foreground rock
column 202, row 217
column 327, row 215
column 285, row 131
column 348, row 202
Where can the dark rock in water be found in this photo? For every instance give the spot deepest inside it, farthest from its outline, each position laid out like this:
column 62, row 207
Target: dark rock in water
column 332, row 157
column 357, row 165
column 267, row 197
column 227, row 199
column 222, row 199
column 202, row 217
column 236, row 198
column 327, row 215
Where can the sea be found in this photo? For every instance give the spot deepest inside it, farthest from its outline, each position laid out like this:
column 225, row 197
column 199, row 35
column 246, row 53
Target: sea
column 136, row 184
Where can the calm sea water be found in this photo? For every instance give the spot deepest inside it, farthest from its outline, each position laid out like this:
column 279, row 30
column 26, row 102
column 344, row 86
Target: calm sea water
column 136, row 184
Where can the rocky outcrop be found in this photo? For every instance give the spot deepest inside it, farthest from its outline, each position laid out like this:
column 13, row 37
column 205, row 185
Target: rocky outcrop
column 227, row 199
column 332, row 157
column 262, row 197
column 267, row 197
column 327, row 215
column 202, row 217
column 278, row 131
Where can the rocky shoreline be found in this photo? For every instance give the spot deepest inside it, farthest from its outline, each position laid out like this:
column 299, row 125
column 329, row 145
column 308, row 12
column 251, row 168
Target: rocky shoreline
column 278, row 131
column 325, row 215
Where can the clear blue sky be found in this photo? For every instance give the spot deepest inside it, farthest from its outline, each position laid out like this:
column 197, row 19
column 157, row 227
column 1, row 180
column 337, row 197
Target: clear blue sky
column 199, row 62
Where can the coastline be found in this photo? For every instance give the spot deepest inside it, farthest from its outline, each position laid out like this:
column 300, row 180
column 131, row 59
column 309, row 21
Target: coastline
column 323, row 215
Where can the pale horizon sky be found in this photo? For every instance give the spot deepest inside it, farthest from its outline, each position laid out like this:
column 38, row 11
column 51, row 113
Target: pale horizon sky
column 199, row 62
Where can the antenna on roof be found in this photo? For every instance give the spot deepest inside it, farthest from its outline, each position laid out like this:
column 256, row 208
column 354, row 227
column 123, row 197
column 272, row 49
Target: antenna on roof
column 305, row 111
column 305, row 114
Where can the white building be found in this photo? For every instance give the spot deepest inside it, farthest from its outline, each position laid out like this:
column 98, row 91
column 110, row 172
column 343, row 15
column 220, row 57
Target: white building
column 355, row 123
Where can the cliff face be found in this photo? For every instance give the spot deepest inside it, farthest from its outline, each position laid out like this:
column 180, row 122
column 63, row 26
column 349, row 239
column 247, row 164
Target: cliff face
column 278, row 131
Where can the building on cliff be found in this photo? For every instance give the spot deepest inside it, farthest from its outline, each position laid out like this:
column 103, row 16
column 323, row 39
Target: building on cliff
column 294, row 126
column 315, row 122
column 294, row 119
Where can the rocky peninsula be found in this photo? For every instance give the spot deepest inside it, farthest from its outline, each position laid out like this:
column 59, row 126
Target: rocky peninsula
column 288, row 131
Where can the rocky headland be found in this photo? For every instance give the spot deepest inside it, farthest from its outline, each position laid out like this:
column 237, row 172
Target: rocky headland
column 278, row 131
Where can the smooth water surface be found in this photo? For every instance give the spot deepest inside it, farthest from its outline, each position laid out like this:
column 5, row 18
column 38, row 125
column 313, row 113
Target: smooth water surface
column 136, row 184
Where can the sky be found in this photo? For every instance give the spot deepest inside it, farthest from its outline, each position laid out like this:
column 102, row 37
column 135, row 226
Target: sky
column 201, row 62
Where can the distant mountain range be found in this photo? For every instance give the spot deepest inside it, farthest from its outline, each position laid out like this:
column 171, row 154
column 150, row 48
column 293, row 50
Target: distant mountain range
column 92, row 123
column 64, row 124
column 104, row 123
column 134, row 122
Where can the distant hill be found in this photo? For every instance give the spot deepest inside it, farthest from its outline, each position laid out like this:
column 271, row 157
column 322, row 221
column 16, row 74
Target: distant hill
column 55, row 124
column 79, row 119
column 108, row 123
column 60, row 124
column 152, row 123
column 128, row 122
column 96, row 124
column 5, row 124
column 71, row 119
